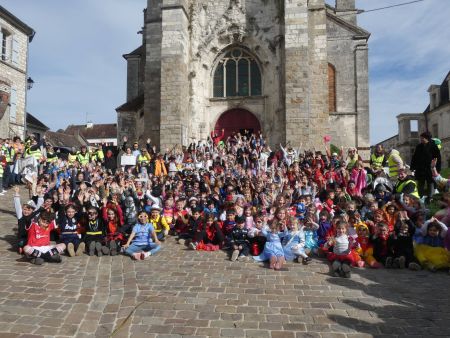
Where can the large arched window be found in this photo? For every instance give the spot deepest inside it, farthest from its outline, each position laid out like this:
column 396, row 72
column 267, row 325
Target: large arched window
column 331, row 88
column 237, row 74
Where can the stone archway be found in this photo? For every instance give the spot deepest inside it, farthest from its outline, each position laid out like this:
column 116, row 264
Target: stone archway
column 237, row 120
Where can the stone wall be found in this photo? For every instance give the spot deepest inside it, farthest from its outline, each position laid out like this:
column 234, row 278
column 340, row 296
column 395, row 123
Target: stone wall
column 15, row 74
column 348, row 53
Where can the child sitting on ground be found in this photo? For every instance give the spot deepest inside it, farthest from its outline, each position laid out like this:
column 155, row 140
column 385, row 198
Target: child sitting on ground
column 341, row 258
column 143, row 241
column 294, row 243
column 431, row 253
column 273, row 250
column 239, row 241
column 68, row 224
column 38, row 246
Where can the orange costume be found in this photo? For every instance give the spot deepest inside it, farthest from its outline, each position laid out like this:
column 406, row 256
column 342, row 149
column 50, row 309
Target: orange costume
column 365, row 249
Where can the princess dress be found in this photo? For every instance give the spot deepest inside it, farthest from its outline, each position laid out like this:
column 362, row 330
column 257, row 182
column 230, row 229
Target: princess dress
column 272, row 247
column 294, row 245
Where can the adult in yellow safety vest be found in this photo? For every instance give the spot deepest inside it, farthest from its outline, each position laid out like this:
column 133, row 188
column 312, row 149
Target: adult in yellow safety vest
column 51, row 155
column 83, row 156
column 378, row 158
column 406, row 184
column 394, row 162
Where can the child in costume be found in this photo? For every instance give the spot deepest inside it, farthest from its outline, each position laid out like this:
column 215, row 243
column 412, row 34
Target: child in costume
column 382, row 245
column 239, row 240
column 431, row 253
column 38, row 245
column 364, row 246
column 143, row 241
column 402, row 245
column 294, row 243
column 273, row 250
column 256, row 237
column 68, row 225
column 341, row 258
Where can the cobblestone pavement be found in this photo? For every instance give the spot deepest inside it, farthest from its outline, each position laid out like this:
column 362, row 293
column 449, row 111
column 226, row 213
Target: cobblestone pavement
column 180, row 293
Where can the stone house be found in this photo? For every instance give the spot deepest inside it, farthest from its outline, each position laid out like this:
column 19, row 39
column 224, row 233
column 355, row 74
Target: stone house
column 296, row 70
column 14, row 37
column 435, row 119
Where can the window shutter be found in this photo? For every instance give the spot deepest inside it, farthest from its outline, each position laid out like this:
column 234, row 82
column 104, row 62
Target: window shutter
column 2, row 51
column 13, row 105
column 15, row 51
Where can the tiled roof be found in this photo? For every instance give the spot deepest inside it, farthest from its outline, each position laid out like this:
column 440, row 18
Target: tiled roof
column 102, row 131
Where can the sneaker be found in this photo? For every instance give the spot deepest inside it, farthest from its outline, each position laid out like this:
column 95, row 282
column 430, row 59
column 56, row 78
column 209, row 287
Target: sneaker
column 346, row 270
column 181, row 241
column 98, row 248
column 80, row 249
column 91, row 249
column 71, row 249
column 234, row 255
column 21, row 252
column 402, row 262
column 56, row 258
column 414, row 266
column 37, row 261
column 192, row 246
column 388, row 263
column 145, row 255
column 306, row 261
column 105, row 250
column 136, row 256
column 113, row 248
column 242, row 258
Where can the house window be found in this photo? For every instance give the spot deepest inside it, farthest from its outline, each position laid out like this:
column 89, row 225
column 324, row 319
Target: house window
column 4, row 37
column 331, row 88
column 237, row 74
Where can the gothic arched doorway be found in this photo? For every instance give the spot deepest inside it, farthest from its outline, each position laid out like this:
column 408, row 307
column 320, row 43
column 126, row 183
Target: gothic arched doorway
column 237, row 120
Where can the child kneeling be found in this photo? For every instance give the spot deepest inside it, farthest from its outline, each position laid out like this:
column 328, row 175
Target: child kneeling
column 38, row 246
column 143, row 241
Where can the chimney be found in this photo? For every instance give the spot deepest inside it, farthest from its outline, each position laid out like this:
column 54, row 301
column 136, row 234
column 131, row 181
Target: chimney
column 346, row 10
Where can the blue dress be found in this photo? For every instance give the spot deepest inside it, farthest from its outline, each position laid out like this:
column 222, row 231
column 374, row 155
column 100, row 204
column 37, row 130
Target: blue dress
column 292, row 239
column 272, row 247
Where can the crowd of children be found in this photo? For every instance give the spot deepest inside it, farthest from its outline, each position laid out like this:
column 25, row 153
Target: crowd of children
column 235, row 195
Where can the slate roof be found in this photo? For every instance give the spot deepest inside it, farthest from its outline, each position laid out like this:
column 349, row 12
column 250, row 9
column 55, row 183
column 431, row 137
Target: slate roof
column 31, row 120
column 57, row 139
column 444, row 93
column 15, row 21
column 102, row 131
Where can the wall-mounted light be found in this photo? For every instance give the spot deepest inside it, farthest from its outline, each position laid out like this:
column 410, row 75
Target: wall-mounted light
column 30, row 83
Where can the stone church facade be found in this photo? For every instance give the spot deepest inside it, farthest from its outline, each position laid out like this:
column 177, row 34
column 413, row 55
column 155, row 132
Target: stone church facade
column 294, row 69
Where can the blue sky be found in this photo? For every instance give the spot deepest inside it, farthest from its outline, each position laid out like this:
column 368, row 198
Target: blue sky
column 76, row 57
